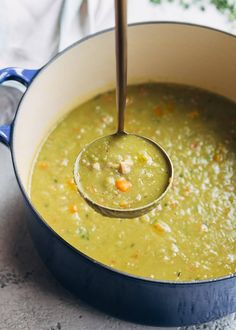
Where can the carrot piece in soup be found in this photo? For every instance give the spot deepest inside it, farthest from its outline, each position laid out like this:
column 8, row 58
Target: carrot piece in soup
column 194, row 114
column 159, row 228
column 123, row 204
column 218, row 158
column 123, row 185
column 158, row 111
column 43, row 165
column 73, row 208
column 71, row 184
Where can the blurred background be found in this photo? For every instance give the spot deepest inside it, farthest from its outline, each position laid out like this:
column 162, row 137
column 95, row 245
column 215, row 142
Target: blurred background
column 31, row 32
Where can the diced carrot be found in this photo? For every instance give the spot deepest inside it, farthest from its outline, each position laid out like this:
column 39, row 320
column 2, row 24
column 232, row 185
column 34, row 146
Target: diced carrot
column 112, row 262
column 161, row 227
column 123, row 185
column 43, row 165
column 71, row 184
column 158, row 111
column 158, row 228
column 123, row 204
column 108, row 97
column 73, row 208
column 194, row 114
column 217, row 158
column 186, row 190
column 193, row 145
column 174, row 205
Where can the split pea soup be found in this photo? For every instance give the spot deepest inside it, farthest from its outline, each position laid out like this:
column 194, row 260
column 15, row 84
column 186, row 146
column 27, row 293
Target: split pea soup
column 122, row 171
column 191, row 234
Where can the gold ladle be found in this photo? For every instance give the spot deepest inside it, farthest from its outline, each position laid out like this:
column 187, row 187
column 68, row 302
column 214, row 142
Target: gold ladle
column 121, row 86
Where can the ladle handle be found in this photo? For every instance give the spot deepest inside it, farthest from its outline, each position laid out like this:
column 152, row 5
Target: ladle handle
column 121, row 60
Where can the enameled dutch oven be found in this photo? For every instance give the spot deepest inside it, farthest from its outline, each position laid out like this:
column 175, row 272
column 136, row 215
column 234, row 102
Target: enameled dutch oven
column 169, row 52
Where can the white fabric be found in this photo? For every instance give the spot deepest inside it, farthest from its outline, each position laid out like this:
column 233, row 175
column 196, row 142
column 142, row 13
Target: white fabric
column 31, row 31
column 28, row 33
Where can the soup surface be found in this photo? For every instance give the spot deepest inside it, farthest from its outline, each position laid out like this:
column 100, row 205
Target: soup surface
column 191, row 235
column 122, row 172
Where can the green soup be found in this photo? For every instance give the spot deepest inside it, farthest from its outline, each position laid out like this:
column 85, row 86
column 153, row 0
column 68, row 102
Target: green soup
column 122, row 171
column 191, row 235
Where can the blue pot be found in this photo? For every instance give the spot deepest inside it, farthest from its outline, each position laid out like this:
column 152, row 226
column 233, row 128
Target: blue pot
column 180, row 53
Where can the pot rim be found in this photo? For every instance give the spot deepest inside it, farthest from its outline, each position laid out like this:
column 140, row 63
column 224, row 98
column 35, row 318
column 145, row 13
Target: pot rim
column 87, row 258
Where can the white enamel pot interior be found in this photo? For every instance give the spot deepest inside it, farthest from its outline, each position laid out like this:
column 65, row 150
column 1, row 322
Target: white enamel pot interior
column 161, row 52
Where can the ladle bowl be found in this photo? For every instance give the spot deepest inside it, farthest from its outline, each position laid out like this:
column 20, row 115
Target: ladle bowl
column 123, row 212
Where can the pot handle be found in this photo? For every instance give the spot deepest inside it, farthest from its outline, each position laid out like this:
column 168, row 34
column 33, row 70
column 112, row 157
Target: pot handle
column 25, row 77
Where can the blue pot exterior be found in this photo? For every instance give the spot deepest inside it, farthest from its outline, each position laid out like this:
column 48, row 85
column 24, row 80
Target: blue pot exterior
column 5, row 134
column 130, row 298
column 25, row 77
column 127, row 297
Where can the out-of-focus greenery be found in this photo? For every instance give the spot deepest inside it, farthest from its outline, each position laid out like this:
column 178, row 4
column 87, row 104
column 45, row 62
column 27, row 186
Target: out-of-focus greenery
column 227, row 7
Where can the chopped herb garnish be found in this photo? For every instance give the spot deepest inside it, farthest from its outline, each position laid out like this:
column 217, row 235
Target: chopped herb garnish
column 83, row 233
column 226, row 7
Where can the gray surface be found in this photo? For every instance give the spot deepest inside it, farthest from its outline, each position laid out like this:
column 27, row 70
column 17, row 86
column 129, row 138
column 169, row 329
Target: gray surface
column 30, row 298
